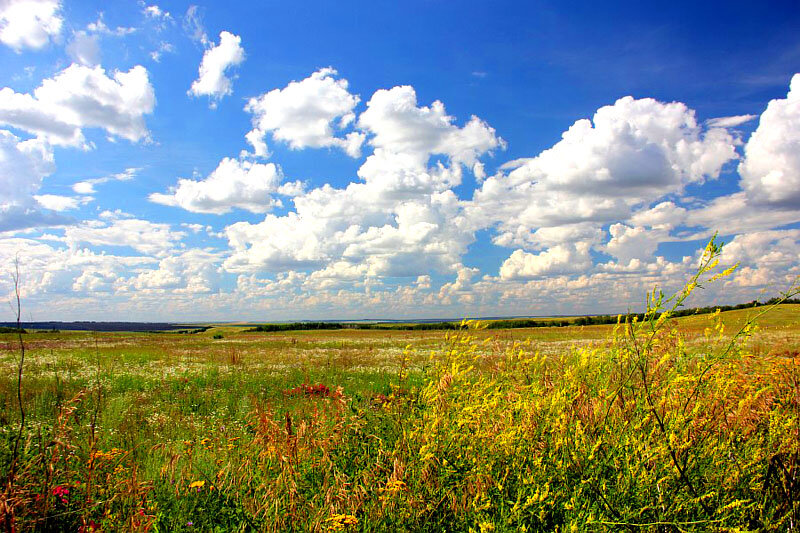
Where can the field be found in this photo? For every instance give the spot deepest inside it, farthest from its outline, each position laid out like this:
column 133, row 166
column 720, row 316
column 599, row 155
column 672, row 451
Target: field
column 665, row 424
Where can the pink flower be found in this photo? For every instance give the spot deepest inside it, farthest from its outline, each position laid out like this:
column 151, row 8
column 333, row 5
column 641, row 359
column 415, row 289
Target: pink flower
column 61, row 492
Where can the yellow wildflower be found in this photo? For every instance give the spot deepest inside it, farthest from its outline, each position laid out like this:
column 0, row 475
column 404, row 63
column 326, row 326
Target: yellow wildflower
column 339, row 522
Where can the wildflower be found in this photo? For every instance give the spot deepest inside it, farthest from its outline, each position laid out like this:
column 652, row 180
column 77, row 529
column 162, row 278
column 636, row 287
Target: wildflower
column 189, row 524
column 61, row 492
column 486, row 526
column 392, row 488
column 197, row 484
column 338, row 522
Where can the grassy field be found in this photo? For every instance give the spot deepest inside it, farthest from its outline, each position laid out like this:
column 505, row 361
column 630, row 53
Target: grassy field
column 668, row 425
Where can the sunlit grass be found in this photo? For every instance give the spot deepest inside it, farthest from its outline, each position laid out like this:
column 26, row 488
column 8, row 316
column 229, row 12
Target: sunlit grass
column 666, row 424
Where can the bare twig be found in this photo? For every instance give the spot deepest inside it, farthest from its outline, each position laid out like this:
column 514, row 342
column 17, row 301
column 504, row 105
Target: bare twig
column 15, row 455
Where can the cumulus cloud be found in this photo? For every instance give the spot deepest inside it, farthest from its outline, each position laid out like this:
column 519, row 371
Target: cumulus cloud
column 560, row 259
column 770, row 170
column 305, row 114
column 663, row 215
column 213, row 79
column 633, row 243
column 611, row 185
column 29, row 23
column 23, row 166
column 630, row 153
column 397, row 124
column 51, row 270
column 736, row 213
column 141, row 235
column 402, row 220
column 233, row 184
column 188, row 272
column 82, row 97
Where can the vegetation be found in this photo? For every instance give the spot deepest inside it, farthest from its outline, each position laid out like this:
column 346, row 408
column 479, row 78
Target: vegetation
column 510, row 323
column 652, row 423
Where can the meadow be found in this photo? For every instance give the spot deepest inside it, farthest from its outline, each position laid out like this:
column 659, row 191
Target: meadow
column 658, row 424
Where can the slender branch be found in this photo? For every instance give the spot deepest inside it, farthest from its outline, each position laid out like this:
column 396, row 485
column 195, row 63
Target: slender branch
column 15, row 455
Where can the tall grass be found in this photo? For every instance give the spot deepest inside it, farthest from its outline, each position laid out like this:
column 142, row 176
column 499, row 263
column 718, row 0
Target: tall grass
column 646, row 431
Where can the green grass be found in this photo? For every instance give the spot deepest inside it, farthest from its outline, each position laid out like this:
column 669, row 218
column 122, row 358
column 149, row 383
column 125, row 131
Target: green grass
column 667, row 425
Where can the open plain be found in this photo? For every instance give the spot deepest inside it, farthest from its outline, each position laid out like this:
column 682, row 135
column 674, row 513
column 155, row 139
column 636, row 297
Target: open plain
column 685, row 427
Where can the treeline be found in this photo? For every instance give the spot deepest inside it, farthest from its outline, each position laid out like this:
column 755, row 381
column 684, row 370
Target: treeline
column 137, row 327
column 512, row 323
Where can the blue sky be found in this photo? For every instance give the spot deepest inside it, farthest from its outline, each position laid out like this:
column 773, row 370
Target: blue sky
column 274, row 161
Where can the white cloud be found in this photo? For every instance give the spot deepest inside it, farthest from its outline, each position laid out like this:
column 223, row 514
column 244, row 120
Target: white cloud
column 88, row 186
column 305, row 114
column 764, row 249
column 233, row 184
column 612, row 185
column 628, row 243
column 770, row 170
column 84, row 49
column 82, row 97
column 403, row 220
column 632, row 152
column 163, row 48
column 545, row 237
column 141, row 235
column 23, row 166
column 56, row 202
column 730, row 122
column 29, row 23
column 663, row 215
column 189, row 272
column 736, row 213
column 560, row 259
column 64, row 271
column 276, row 244
column 193, row 25
column 154, row 11
column 213, row 80
column 99, row 27
column 397, row 124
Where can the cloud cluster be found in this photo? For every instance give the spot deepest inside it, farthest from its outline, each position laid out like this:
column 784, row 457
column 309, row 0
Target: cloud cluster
column 114, row 229
column 305, row 113
column 402, row 220
column 631, row 153
column 23, row 166
column 81, row 97
column 770, row 169
column 584, row 218
column 233, row 184
column 30, row 23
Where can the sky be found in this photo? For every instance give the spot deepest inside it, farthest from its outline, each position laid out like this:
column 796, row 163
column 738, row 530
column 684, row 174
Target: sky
column 367, row 160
